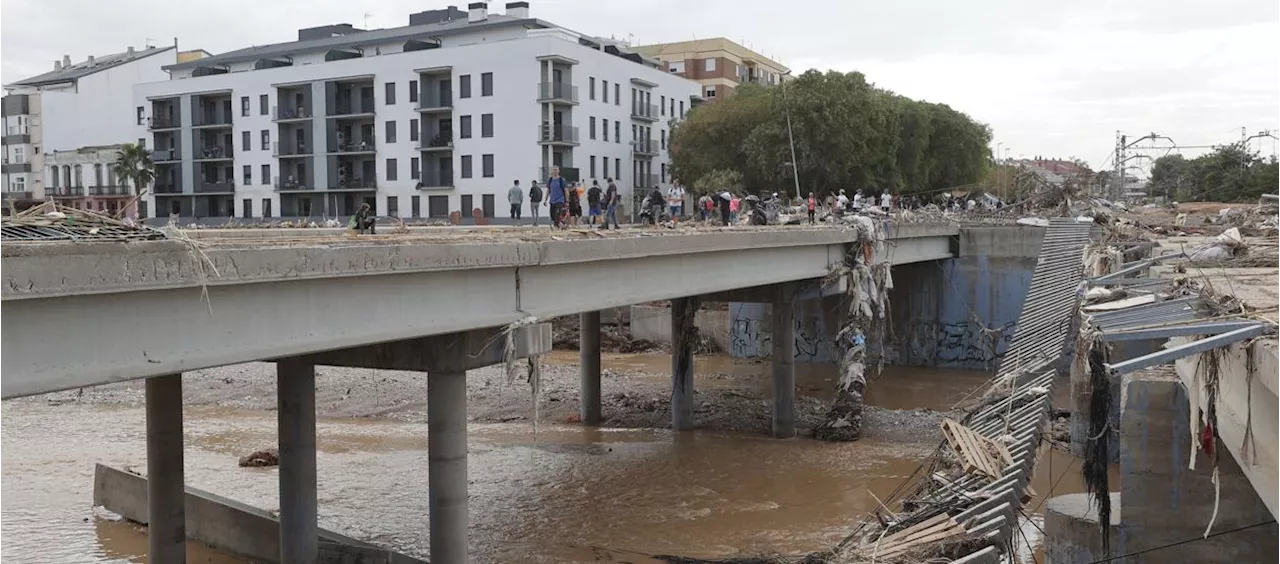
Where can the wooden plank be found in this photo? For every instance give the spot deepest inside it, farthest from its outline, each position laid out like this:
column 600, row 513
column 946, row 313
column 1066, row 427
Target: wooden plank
column 939, row 518
column 909, row 545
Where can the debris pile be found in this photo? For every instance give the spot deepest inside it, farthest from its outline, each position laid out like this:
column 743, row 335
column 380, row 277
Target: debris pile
column 51, row 221
column 261, row 458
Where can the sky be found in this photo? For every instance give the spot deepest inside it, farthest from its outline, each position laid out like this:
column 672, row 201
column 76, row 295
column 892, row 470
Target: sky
column 1052, row 79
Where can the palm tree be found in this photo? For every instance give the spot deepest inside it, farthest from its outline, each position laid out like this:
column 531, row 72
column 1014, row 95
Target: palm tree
column 133, row 166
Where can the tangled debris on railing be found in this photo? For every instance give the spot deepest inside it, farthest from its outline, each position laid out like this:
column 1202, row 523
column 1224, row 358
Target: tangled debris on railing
column 51, row 221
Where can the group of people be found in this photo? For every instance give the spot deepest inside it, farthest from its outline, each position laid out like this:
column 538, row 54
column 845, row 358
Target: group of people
column 564, row 200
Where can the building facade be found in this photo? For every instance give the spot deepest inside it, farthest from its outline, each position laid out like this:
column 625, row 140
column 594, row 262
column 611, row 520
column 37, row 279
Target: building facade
column 438, row 116
column 80, row 105
column 718, row 64
column 83, row 179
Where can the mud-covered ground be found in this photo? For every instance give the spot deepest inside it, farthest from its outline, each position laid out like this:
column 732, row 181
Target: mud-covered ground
column 630, row 399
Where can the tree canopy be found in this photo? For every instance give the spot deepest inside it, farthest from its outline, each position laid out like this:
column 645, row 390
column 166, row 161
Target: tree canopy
column 848, row 134
column 1230, row 173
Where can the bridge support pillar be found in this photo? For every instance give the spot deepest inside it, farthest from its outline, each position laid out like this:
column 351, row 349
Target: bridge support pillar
column 783, row 359
column 166, row 495
column 589, row 367
column 683, row 311
column 296, row 416
column 447, row 456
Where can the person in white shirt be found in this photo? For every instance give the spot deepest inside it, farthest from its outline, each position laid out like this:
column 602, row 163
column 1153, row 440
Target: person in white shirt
column 886, row 200
column 842, row 202
column 675, row 201
column 970, row 204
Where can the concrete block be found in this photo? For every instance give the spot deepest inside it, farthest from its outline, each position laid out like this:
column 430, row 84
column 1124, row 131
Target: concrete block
column 1072, row 534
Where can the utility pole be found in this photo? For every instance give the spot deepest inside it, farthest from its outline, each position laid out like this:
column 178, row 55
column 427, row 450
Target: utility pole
column 791, row 140
column 1117, row 181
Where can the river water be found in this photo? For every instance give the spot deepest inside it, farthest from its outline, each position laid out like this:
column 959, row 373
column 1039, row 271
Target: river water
column 568, row 493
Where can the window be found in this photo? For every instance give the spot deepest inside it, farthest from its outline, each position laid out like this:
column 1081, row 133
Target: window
column 79, row 177
column 20, row 184
column 662, row 105
column 617, row 168
column 248, row 175
column 393, row 206
column 414, row 174
column 605, row 84
column 438, row 206
column 664, row 172
column 266, row 174
column 264, row 108
column 413, row 130
column 486, row 84
column 392, row 173
column 391, row 93
column 617, row 131
column 486, row 125
column 244, row 105
column 246, row 208
column 486, row 204
column 591, row 89
column 391, row 131
column 681, row 108
column 486, row 166
column 605, row 122
column 466, row 166
column 617, row 94
column 737, row 70
column 142, row 113
column 593, row 166
column 266, row 139
column 711, row 91
column 676, row 66
column 464, row 86
column 53, row 176
column 464, row 127
column 709, row 65
column 664, row 139
column 246, row 141
column 266, row 207
column 673, row 107
column 413, row 97
column 634, row 136
column 415, row 206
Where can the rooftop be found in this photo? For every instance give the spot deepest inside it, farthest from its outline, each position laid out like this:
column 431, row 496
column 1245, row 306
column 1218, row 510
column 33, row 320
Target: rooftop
column 89, row 66
column 659, row 50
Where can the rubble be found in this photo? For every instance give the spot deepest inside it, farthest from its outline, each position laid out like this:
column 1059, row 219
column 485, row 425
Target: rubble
column 261, row 458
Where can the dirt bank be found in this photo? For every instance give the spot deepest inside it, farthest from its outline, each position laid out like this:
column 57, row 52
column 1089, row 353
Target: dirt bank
column 631, row 399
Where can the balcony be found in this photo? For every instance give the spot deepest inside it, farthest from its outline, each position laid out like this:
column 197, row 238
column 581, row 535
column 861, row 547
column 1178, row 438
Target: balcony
column 166, row 189
column 16, row 139
column 557, row 93
column 18, row 195
column 224, row 187
column 349, row 110
column 289, row 150
column 67, row 192
column 549, row 134
column 436, row 103
column 355, row 148
column 289, row 185
column 109, row 191
column 291, row 114
column 356, row 184
column 15, row 165
column 160, row 156
column 642, row 112
column 212, row 121
column 214, row 153
column 438, row 182
column 440, row 143
column 644, row 148
column 570, row 174
column 163, row 122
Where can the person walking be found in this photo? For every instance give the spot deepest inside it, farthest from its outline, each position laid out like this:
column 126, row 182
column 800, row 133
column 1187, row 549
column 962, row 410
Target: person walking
column 535, row 201
column 557, row 196
column 675, row 201
column 727, row 201
column 515, row 196
column 611, row 198
column 813, row 208
column 575, row 204
column 735, row 204
column 593, row 202
column 655, row 205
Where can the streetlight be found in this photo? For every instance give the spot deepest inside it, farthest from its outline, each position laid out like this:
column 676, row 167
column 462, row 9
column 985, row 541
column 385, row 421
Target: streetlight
column 791, row 140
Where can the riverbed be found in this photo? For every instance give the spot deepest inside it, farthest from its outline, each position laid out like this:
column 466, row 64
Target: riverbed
column 559, row 492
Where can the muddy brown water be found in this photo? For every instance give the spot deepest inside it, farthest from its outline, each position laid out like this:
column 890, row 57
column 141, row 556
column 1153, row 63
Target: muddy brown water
column 566, row 493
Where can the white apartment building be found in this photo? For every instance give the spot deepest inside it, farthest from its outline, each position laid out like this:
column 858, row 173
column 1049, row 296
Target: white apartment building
column 441, row 115
column 85, row 104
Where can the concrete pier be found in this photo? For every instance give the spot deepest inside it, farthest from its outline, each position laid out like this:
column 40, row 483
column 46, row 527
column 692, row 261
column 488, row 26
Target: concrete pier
column 296, row 398
column 447, row 457
column 589, row 367
column 682, row 312
column 783, row 359
column 167, row 533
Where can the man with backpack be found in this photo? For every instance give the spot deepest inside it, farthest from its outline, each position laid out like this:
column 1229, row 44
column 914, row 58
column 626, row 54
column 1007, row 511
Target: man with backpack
column 535, row 200
column 593, row 202
column 611, row 204
column 557, row 196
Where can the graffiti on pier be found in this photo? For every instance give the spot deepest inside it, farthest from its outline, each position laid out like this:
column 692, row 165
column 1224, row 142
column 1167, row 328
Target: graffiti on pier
column 970, row 342
column 749, row 337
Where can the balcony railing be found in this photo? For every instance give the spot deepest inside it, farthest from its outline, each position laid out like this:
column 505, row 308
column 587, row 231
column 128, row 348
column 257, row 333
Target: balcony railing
column 215, row 187
column 351, row 109
column 210, row 120
column 441, row 141
column 288, row 149
column 291, row 185
column 109, row 190
column 557, row 92
column 18, row 195
column 363, row 146
column 67, row 191
column 357, row 183
column 163, row 122
column 300, row 112
column 570, row 174
column 435, row 102
column 213, row 153
column 549, row 133
column 165, row 188
column 644, row 112
column 644, row 147
column 435, row 182
column 165, row 155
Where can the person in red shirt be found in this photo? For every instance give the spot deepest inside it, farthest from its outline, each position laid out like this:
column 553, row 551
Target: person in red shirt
column 813, row 208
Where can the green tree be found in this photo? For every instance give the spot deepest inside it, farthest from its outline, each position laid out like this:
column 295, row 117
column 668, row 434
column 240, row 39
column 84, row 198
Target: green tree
column 717, row 181
column 1229, row 173
column 133, row 166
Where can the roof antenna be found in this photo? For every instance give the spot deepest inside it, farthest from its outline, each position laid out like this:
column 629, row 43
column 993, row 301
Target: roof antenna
column 366, row 19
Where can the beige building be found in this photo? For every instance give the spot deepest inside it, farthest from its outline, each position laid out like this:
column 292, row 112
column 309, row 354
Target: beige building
column 718, row 63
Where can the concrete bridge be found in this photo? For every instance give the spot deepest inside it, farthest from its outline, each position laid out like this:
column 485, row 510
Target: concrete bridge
column 84, row 314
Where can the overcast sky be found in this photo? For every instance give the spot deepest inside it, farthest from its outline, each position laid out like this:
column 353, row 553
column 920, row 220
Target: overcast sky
column 1051, row 78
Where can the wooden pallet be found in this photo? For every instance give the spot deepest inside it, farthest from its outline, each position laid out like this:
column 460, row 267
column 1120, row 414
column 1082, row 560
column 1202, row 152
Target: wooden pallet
column 976, row 452
column 932, row 530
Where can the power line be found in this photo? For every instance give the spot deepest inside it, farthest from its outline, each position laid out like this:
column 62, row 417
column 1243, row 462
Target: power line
column 1182, row 542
